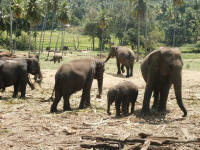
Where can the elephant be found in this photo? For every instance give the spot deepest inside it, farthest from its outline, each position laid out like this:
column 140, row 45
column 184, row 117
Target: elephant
column 5, row 54
column 161, row 69
column 76, row 75
column 125, row 57
column 57, row 58
column 15, row 72
column 123, row 94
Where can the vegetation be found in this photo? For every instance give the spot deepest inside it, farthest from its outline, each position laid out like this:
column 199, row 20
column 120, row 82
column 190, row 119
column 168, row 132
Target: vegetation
column 92, row 24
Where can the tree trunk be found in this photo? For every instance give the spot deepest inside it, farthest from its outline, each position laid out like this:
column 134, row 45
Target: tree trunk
column 30, row 40
column 35, row 41
column 93, row 42
column 138, row 47
column 146, row 23
column 15, row 35
column 174, row 34
column 11, row 28
column 57, row 40
column 41, row 35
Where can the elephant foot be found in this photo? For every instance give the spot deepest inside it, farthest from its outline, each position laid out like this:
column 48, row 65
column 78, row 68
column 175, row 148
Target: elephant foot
column 145, row 110
column 14, row 96
column 109, row 113
column 123, row 70
column 53, row 109
column 131, row 75
column 32, row 87
column 118, row 72
column 117, row 116
column 185, row 114
column 67, row 109
column 23, row 97
column 127, row 76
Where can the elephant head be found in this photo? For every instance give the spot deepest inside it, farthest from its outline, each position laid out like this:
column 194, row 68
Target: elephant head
column 33, row 67
column 99, row 70
column 112, row 53
column 111, row 97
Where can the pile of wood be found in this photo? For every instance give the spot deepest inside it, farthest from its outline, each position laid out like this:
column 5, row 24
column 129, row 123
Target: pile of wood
column 141, row 142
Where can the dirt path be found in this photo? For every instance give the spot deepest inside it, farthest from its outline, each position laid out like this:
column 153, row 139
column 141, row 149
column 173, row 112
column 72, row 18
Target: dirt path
column 27, row 124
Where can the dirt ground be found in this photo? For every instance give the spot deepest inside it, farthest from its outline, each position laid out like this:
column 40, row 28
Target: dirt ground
column 28, row 124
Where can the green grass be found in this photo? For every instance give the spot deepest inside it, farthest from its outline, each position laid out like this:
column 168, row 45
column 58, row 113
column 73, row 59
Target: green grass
column 85, row 41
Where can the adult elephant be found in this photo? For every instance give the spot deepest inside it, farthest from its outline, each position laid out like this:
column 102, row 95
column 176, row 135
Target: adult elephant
column 15, row 72
column 160, row 69
column 74, row 76
column 125, row 57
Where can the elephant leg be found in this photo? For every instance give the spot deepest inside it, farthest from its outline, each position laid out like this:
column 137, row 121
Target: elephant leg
column 118, row 67
column 122, row 68
column 58, row 60
column 156, row 99
column 164, row 92
column 23, row 89
column 127, row 70
column 131, row 69
column 58, row 96
column 85, row 99
column 16, row 89
column 124, row 107
column 66, row 105
column 117, row 107
column 147, row 97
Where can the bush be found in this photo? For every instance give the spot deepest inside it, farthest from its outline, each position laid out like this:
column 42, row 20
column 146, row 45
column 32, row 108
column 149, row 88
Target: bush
column 23, row 43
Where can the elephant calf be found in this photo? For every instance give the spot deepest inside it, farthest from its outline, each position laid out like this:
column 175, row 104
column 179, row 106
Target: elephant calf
column 123, row 94
column 74, row 76
column 57, row 58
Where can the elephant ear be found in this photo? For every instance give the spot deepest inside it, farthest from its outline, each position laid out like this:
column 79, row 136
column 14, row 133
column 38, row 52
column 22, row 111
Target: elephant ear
column 154, row 59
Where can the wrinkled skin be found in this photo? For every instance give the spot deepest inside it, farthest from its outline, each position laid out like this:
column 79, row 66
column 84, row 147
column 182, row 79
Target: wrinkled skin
column 74, row 76
column 161, row 69
column 122, row 94
column 57, row 58
column 15, row 72
column 124, row 57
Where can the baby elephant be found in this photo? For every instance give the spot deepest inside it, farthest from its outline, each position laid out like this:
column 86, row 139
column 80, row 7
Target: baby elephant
column 123, row 94
column 57, row 58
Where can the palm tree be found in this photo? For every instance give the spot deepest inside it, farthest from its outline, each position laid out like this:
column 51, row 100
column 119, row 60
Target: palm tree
column 64, row 18
column 17, row 13
column 11, row 26
column 55, row 4
column 34, row 16
column 140, row 8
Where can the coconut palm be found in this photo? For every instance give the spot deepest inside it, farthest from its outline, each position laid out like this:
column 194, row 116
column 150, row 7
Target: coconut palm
column 139, row 9
column 34, row 16
column 64, row 18
column 18, row 9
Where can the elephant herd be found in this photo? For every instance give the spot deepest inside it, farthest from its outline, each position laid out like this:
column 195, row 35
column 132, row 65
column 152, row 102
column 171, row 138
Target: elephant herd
column 160, row 69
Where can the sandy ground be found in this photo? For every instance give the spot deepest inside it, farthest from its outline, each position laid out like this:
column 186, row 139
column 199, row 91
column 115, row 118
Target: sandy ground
column 27, row 124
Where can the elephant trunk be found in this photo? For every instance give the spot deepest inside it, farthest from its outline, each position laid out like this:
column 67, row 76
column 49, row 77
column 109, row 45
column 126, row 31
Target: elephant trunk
column 177, row 82
column 107, row 58
column 38, row 76
column 100, row 85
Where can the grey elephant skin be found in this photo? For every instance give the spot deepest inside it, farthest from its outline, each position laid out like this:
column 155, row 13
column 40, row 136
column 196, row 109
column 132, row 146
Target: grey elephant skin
column 57, row 58
column 124, row 57
column 74, row 76
column 15, row 72
column 161, row 69
column 123, row 94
